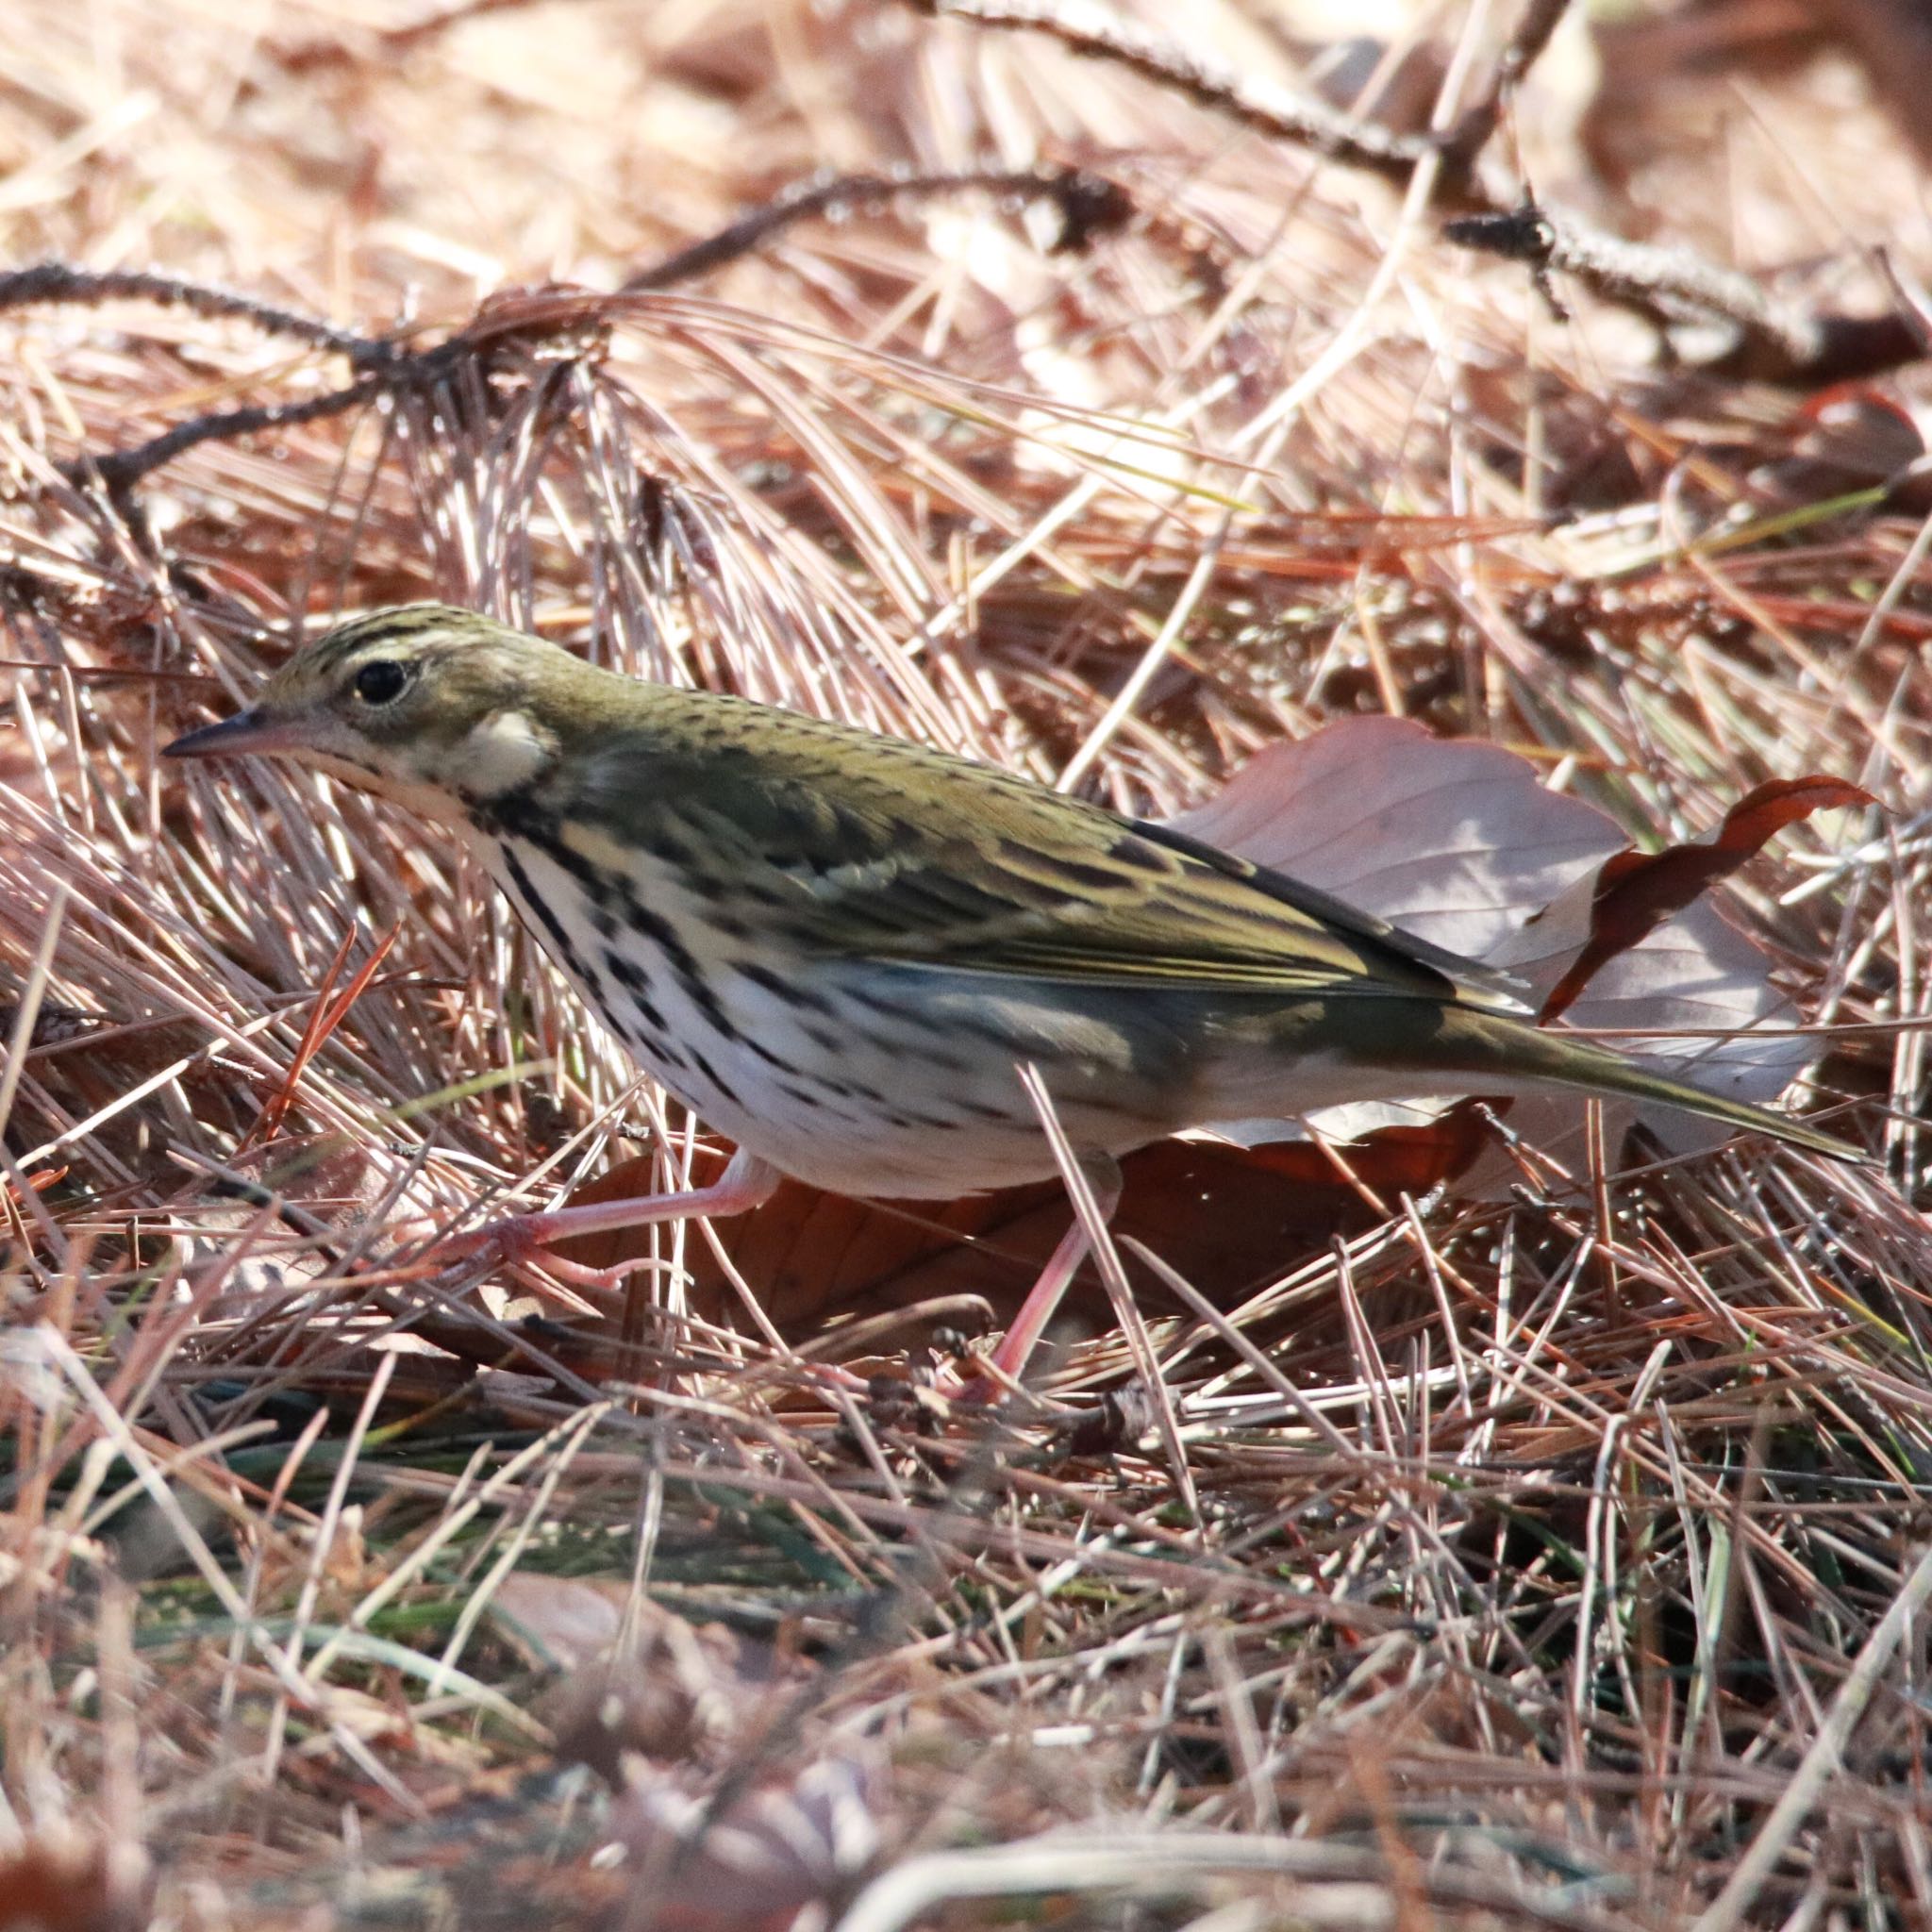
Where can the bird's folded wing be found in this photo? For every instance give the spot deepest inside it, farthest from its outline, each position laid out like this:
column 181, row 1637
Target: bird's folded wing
column 921, row 859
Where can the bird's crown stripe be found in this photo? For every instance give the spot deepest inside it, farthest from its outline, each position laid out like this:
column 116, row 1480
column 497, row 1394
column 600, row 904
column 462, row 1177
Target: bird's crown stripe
column 382, row 626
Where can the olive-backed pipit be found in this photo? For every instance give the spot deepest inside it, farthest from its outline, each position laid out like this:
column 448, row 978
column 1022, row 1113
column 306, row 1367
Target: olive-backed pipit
column 838, row 948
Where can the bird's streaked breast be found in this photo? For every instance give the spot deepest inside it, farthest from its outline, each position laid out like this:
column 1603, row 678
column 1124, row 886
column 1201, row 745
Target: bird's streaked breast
column 865, row 1078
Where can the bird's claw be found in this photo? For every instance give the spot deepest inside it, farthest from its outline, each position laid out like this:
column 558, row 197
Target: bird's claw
column 520, row 1243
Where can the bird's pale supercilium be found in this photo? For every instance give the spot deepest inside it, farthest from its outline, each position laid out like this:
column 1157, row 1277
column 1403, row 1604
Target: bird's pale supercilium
column 838, row 948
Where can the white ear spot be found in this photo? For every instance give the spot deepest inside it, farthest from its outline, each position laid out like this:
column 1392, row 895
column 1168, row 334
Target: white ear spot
column 505, row 751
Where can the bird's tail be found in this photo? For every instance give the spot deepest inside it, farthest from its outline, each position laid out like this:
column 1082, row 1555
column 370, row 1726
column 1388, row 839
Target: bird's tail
column 1478, row 1043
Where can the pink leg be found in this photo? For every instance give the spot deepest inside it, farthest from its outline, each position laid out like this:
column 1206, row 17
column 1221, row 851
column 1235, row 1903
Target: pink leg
column 746, row 1183
column 1043, row 1298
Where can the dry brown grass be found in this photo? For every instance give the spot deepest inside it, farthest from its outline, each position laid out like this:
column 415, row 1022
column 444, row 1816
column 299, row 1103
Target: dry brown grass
column 1559, row 1561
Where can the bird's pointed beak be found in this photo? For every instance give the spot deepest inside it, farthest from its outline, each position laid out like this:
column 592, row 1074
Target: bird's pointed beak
column 251, row 731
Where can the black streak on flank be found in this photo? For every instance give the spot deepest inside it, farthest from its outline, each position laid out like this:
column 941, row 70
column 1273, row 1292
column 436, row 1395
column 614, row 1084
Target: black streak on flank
column 706, row 1071
column 636, row 982
column 539, row 907
column 517, row 814
column 664, row 1054
column 690, row 975
column 772, row 1058
column 627, row 971
column 507, row 820
column 781, row 988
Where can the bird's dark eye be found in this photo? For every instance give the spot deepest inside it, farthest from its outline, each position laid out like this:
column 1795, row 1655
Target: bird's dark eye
column 382, row 682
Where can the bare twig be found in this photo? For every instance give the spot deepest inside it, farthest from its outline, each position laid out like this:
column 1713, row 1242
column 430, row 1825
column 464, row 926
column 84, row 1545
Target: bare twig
column 1087, row 205
column 51, row 282
column 1777, row 342
column 1267, row 110
column 1477, row 124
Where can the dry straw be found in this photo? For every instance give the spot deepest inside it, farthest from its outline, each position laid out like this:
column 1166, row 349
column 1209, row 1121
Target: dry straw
column 1551, row 1561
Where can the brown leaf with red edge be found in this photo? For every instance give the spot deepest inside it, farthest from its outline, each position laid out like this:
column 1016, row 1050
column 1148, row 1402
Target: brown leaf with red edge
column 1849, row 438
column 1636, row 891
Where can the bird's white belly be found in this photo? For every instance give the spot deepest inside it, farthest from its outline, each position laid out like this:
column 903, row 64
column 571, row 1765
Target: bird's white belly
column 826, row 1085
column 879, row 1080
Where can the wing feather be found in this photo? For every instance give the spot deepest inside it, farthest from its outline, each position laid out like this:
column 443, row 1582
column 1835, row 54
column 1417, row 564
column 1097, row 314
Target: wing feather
column 870, row 848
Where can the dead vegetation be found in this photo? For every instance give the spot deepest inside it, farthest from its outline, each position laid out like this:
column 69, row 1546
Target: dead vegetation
column 1550, row 1554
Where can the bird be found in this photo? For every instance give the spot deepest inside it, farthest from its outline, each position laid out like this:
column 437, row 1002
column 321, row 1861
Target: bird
column 863, row 960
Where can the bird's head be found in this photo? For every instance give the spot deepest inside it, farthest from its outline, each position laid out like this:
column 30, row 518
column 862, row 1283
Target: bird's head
column 435, row 707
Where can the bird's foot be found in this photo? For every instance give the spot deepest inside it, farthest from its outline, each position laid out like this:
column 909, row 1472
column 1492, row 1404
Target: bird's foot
column 994, row 1378
column 521, row 1245
column 526, row 1242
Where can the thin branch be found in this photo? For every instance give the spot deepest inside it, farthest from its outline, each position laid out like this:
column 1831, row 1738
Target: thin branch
column 1087, row 205
column 1268, row 109
column 1777, row 342
column 1477, row 125
column 391, row 370
column 50, row 282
